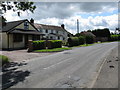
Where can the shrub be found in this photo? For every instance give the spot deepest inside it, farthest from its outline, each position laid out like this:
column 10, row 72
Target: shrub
column 73, row 41
column 81, row 40
column 37, row 45
column 54, row 44
column 114, row 37
column 89, row 39
column 3, row 60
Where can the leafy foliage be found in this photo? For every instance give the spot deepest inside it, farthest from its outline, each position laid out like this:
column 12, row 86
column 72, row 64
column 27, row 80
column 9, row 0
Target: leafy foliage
column 81, row 40
column 89, row 39
column 101, row 32
column 114, row 37
column 73, row 41
column 17, row 6
column 54, row 44
column 3, row 60
column 37, row 45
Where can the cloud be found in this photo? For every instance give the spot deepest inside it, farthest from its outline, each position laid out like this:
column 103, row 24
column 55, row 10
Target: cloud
column 68, row 13
column 89, row 23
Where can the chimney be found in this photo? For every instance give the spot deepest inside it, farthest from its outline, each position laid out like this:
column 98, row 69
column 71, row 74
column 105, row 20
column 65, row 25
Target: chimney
column 32, row 21
column 63, row 26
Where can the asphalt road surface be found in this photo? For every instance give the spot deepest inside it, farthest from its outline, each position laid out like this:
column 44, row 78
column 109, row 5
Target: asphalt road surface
column 68, row 69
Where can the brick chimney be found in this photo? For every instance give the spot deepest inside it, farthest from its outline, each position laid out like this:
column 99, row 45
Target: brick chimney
column 32, row 20
column 63, row 26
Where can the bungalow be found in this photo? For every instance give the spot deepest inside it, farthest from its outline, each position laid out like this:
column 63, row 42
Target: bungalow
column 53, row 32
column 16, row 34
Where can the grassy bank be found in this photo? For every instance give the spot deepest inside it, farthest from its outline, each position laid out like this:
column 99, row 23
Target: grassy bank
column 3, row 60
column 53, row 50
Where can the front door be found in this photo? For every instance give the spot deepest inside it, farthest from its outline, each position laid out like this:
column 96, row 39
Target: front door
column 26, row 41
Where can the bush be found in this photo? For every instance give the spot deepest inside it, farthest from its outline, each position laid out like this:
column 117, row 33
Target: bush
column 89, row 39
column 81, row 40
column 73, row 41
column 37, row 45
column 3, row 60
column 54, row 44
column 114, row 37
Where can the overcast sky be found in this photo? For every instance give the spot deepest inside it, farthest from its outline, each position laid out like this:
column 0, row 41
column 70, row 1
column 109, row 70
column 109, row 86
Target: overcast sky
column 91, row 15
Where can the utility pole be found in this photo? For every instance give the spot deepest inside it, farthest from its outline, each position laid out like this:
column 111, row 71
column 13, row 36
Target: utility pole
column 77, row 26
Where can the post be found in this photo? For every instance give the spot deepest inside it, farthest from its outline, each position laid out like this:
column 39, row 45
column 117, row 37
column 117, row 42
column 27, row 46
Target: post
column 77, row 26
column 30, row 46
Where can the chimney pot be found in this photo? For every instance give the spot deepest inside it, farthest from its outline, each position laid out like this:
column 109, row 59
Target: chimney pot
column 63, row 26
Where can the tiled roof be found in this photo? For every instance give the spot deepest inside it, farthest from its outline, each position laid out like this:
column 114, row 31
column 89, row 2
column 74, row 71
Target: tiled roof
column 11, row 25
column 48, row 27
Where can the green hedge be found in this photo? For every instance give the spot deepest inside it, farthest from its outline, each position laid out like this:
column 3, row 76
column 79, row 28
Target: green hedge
column 89, row 39
column 54, row 44
column 37, row 45
column 73, row 41
column 3, row 60
column 81, row 40
column 114, row 37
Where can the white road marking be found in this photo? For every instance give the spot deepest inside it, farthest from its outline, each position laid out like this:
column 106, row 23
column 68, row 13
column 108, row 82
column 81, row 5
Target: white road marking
column 57, row 63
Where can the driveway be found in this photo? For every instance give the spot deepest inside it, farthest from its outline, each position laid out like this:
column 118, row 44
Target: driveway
column 22, row 55
column 68, row 69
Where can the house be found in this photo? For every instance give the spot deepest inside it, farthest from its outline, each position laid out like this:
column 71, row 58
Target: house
column 16, row 34
column 53, row 32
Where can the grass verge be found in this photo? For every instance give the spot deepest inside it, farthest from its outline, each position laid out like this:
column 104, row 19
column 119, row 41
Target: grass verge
column 3, row 60
column 53, row 50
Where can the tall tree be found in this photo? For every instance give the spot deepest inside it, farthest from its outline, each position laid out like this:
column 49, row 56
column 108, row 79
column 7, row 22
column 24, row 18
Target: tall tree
column 17, row 7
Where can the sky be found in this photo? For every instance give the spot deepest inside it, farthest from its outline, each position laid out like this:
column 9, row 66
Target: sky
column 91, row 15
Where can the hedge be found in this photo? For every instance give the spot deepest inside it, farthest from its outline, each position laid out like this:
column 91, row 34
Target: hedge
column 81, row 40
column 89, row 39
column 54, row 44
column 114, row 37
column 37, row 45
column 3, row 60
column 73, row 41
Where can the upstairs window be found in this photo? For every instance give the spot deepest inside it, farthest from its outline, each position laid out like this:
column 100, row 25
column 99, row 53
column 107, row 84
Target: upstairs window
column 26, row 25
column 57, row 32
column 51, row 31
column 46, row 31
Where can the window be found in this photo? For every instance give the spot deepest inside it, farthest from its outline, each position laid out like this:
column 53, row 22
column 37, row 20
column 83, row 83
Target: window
column 51, row 31
column 40, row 30
column 56, row 31
column 26, row 25
column 46, row 31
column 51, row 37
column 17, row 38
column 36, row 37
column 58, row 37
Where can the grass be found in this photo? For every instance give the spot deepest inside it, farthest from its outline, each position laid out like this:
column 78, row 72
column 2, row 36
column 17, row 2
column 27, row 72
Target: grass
column 53, row 50
column 3, row 60
column 84, row 45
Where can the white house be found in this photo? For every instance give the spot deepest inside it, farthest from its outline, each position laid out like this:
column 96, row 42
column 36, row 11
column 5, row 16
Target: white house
column 53, row 32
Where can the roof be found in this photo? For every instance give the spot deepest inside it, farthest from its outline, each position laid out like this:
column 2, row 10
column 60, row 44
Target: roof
column 20, row 31
column 49, row 27
column 11, row 25
column 87, row 33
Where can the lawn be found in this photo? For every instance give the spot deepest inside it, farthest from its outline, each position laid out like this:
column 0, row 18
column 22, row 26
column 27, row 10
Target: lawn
column 3, row 60
column 53, row 50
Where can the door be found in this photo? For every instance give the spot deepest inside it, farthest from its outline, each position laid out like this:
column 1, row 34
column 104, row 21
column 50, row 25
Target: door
column 26, row 41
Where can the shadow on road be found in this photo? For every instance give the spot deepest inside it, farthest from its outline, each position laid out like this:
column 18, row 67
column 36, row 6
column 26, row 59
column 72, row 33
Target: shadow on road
column 12, row 75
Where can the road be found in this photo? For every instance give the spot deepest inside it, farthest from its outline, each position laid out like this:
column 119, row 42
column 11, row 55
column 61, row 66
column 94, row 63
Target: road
column 72, row 68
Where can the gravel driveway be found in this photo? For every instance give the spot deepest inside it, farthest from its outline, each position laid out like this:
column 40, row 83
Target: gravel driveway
column 22, row 55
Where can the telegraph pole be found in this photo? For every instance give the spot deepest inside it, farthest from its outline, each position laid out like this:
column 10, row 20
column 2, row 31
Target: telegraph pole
column 77, row 26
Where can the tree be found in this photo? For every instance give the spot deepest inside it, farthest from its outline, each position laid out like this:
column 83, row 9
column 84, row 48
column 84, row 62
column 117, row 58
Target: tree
column 17, row 7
